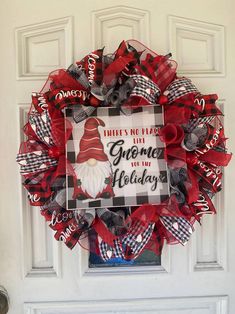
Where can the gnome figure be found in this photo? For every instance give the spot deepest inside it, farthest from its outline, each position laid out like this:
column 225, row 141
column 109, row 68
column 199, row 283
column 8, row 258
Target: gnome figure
column 93, row 169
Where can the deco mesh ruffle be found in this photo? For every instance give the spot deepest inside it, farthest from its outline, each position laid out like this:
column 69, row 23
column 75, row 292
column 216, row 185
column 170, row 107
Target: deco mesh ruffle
column 132, row 77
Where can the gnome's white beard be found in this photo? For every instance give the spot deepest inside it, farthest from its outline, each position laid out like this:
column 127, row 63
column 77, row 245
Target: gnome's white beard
column 93, row 177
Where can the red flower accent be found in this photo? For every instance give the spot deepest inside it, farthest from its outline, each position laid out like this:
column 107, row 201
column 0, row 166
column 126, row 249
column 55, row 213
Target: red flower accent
column 171, row 134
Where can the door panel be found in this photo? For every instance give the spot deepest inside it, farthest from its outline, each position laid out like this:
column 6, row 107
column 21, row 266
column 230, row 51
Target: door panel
column 43, row 276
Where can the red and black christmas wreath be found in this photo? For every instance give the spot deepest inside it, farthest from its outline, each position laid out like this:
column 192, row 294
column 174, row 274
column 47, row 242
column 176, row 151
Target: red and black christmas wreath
column 133, row 80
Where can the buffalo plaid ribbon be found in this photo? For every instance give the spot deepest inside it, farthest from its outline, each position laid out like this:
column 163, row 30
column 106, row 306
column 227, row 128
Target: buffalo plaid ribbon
column 159, row 69
column 69, row 234
column 166, row 71
column 209, row 111
column 93, row 61
column 187, row 104
column 208, row 104
column 38, row 194
column 125, row 49
column 148, row 67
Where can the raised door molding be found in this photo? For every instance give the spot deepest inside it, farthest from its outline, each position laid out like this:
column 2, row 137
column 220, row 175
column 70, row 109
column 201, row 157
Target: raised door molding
column 41, row 253
column 197, row 46
column 43, row 47
column 189, row 305
column 208, row 247
column 110, row 26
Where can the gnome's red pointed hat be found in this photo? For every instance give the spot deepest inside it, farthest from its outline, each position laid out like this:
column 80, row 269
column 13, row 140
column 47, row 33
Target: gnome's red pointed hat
column 90, row 144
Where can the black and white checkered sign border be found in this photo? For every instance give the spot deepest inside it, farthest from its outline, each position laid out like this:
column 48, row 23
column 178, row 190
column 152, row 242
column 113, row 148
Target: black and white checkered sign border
column 121, row 201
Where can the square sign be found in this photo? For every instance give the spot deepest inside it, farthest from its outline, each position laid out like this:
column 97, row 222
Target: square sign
column 117, row 159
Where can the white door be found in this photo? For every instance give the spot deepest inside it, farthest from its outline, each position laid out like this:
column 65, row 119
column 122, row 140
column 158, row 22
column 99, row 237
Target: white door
column 43, row 276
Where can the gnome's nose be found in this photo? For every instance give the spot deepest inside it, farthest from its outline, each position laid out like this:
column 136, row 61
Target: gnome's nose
column 92, row 162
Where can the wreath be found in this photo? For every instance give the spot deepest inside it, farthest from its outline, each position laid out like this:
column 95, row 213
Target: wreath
column 131, row 78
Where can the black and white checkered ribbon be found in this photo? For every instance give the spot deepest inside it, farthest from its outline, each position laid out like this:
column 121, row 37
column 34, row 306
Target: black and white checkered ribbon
column 41, row 125
column 81, row 112
column 179, row 227
column 35, row 161
column 193, row 123
column 178, row 88
column 77, row 73
column 107, row 252
column 145, row 88
column 136, row 239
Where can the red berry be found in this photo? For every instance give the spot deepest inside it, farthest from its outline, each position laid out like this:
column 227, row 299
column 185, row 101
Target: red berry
column 192, row 159
column 94, row 101
column 54, row 152
column 162, row 100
